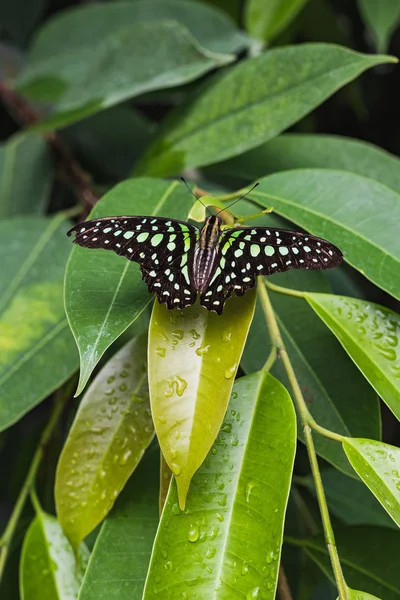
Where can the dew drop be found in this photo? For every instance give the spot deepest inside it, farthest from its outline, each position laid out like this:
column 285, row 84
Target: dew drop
column 193, row 533
column 176, row 385
column 195, row 335
column 168, row 565
column 250, row 485
column 161, row 351
column 111, row 379
column 229, row 373
column 211, row 552
column 176, row 469
column 202, row 350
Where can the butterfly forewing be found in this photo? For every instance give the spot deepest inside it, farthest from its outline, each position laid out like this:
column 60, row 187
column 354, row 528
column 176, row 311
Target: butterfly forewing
column 243, row 254
column 162, row 247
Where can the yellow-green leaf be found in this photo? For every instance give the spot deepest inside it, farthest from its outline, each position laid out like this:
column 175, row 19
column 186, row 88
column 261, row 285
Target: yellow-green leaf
column 111, row 430
column 193, row 358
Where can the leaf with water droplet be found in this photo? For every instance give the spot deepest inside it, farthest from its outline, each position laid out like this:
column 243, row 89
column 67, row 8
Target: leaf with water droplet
column 119, row 430
column 220, row 534
column 49, row 568
column 378, row 465
column 190, row 388
column 378, row 360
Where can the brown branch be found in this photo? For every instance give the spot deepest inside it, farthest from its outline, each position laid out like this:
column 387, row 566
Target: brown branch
column 284, row 592
column 67, row 167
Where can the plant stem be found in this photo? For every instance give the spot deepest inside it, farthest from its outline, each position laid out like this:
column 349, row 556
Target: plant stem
column 307, row 422
column 7, row 537
column 284, row 592
column 273, row 355
column 283, row 290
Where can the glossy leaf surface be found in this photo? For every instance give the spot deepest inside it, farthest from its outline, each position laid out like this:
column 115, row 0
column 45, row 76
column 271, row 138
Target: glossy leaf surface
column 378, row 465
column 111, row 430
column 193, row 358
column 349, row 500
column 368, row 556
column 104, row 292
column 303, row 151
column 382, row 18
column 266, row 20
column 25, row 176
column 97, row 56
column 276, row 89
column 226, row 544
column 369, row 333
column 118, row 566
column 337, row 395
column 329, row 203
column 37, row 352
column 356, row 595
column 49, row 569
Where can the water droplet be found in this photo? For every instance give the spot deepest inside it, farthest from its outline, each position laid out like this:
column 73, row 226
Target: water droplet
column 124, row 458
column 250, row 485
column 124, row 374
column 221, row 499
column 254, row 593
column 177, row 435
column 123, row 387
column 168, row 565
column 226, row 427
column 178, row 333
column 164, row 553
column 175, row 509
column 173, row 452
column 229, row 373
column 214, row 450
column 227, row 336
column 195, row 335
column 220, row 517
column 202, row 350
column 161, row 351
column 162, row 420
column 176, row 385
column 193, row 533
column 211, row 552
column 245, row 569
column 111, row 379
column 176, row 469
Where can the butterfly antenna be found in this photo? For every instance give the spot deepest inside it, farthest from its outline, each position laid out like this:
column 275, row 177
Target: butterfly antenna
column 193, row 194
column 237, row 199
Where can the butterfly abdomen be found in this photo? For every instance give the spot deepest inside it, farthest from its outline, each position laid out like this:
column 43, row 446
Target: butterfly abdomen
column 205, row 253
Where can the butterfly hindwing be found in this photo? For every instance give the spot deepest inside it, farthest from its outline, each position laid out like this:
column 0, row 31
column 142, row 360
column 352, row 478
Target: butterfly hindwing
column 244, row 254
column 164, row 249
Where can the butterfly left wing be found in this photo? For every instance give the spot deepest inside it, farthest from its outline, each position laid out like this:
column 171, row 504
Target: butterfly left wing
column 162, row 247
column 243, row 254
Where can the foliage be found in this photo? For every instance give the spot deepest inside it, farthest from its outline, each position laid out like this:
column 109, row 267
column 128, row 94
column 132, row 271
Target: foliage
column 177, row 475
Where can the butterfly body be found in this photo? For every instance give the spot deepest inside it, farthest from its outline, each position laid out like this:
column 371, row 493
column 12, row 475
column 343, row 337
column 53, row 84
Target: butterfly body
column 178, row 261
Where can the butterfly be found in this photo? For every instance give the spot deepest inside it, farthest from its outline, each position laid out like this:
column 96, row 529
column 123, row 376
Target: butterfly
column 178, row 260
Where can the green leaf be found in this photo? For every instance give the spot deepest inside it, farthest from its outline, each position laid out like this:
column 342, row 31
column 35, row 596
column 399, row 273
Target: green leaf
column 368, row 556
column 110, row 433
column 378, row 465
column 193, row 358
column 87, row 59
column 36, row 347
column 341, row 207
column 356, row 595
column 369, row 334
column 49, row 569
column 227, row 542
column 300, row 151
column 276, row 89
column 328, row 378
column 349, row 500
column 25, row 176
column 266, row 20
column 119, row 561
column 104, row 293
column 382, row 18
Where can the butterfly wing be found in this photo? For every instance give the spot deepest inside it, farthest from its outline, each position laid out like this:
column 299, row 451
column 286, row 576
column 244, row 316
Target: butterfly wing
column 163, row 248
column 243, row 254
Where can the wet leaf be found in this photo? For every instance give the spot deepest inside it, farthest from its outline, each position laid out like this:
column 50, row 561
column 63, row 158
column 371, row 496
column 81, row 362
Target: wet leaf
column 237, row 497
column 301, row 151
column 276, row 89
column 104, row 292
column 369, row 333
column 37, row 351
column 120, row 559
column 349, row 500
column 193, row 358
column 329, row 204
column 27, row 193
column 378, row 465
column 165, row 480
column 368, row 556
column 337, row 395
column 382, row 18
column 49, row 569
column 110, row 433
column 266, row 20
column 356, row 595
column 93, row 57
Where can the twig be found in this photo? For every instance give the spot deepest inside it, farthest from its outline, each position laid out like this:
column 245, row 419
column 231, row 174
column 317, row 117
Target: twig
column 67, row 167
column 306, row 419
column 284, row 592
column 8, row 535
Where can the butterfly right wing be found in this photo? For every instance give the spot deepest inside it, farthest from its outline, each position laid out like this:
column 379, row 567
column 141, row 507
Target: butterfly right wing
column 163, row 247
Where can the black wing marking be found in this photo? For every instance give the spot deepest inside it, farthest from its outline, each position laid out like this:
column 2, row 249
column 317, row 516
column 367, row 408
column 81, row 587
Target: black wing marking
column 243, row 254
column 164, row 249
